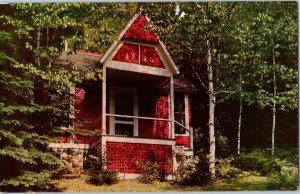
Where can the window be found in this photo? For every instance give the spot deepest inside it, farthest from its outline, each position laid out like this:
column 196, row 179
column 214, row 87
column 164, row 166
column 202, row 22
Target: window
column 123, row 105
column 124, row 129
column 179, row 113
column 123, row 101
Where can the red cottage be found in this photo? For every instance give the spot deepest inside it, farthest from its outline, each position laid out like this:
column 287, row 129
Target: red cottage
column 142, row 105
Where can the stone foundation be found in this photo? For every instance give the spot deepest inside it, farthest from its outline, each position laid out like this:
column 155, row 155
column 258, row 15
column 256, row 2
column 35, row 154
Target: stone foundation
column 72, row 155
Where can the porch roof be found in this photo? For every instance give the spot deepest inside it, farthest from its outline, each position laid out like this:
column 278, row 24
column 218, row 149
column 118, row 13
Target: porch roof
column 181, row 84
column 83, row 60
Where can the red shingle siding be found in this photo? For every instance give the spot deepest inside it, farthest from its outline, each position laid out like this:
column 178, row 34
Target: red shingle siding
column 122, row 156
column 150, row 57
column 137, row 30
column 87, row 105
column 128, row 53
column 183, row 141
column 145, row 55
column 161, row 128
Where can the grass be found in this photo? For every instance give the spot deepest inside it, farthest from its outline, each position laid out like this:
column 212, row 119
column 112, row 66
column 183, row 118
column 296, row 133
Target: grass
column 280, row 173
column 249, row 183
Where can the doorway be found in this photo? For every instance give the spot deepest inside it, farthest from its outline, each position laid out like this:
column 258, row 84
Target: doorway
column 123, row 101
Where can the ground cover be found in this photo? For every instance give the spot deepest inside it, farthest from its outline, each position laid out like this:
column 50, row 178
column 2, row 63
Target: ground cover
column 254, row 171
column 79, row 184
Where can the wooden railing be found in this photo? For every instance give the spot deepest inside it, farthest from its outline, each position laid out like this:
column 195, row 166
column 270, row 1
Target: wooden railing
column 126, row 139
column 190, row 130
column 138, row 117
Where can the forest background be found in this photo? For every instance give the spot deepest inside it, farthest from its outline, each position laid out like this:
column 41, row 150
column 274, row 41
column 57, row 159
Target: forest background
column 241, row 55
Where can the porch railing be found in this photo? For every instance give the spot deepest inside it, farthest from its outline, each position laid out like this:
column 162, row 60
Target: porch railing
column 138, row 117
column 190, row 130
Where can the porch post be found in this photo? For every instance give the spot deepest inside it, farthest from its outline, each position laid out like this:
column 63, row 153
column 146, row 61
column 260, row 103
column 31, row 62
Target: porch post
column 72, row 107
column 172, row 107
column 186, row 111
column 104, row 101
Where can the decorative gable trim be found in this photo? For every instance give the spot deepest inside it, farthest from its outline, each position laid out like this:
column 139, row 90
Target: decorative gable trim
column 160, row 48
column 172, row 65
column 108, row 52
column 129, row 24
column 137, row 68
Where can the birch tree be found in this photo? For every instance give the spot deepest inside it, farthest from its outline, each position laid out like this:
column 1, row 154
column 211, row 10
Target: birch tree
column 275, row 32
column 196, row 40
column 261, row 34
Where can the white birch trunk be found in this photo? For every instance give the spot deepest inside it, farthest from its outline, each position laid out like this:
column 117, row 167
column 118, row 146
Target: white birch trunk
column 274, row 105
column 211, row 125
column 239, row 126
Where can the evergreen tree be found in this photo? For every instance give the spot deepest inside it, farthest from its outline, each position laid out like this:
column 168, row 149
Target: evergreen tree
column 33, row 103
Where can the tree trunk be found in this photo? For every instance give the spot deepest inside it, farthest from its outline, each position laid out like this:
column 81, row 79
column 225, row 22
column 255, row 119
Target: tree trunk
column 38, row 62
column 239, row 126
column 211, row 125
column 240, row 116
column 274, row 104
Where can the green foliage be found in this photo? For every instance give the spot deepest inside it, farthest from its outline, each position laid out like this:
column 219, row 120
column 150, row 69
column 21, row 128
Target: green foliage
column 149, row 170
column 281, row 173
column 225, row 170
column 241, row 38
column 98, row 175
column 104, row 176
column 289, row 155
column 33, row 106
column 97, row 25
column 284, row 180
column 187, row 171
column 257, row 161
column 222, row 145
column 194, row 170
column 35, row 101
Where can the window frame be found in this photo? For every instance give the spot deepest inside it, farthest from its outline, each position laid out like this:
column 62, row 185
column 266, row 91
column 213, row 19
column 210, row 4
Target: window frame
column 112, row 119
column 186, row 115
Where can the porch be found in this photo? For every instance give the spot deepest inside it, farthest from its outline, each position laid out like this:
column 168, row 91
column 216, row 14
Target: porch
column 129, row 104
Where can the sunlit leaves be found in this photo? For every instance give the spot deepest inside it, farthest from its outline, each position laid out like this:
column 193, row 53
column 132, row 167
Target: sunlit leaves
column 32, row 103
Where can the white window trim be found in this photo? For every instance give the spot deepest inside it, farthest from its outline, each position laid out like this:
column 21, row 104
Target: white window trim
column 137, row 68
column 149, row 45
column 186, row 115
column 112, row 120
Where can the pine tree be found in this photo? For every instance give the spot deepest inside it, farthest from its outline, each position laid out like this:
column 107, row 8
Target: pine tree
column 33, row 106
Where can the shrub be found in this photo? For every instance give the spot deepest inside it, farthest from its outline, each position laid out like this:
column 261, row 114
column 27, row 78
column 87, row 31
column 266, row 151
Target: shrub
column 149, row 171
column 286, row 179
column 258, row 162
column 98, row 175
column 222, row 145
column 225, row 170
column 289, row 154
column 104, row 177
column 184, row 171
column 191, row 170
column 201, row 174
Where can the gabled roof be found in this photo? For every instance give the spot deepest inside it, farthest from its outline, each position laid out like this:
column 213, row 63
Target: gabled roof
column 181, row 84
column 135, row 30
column 83, row 60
